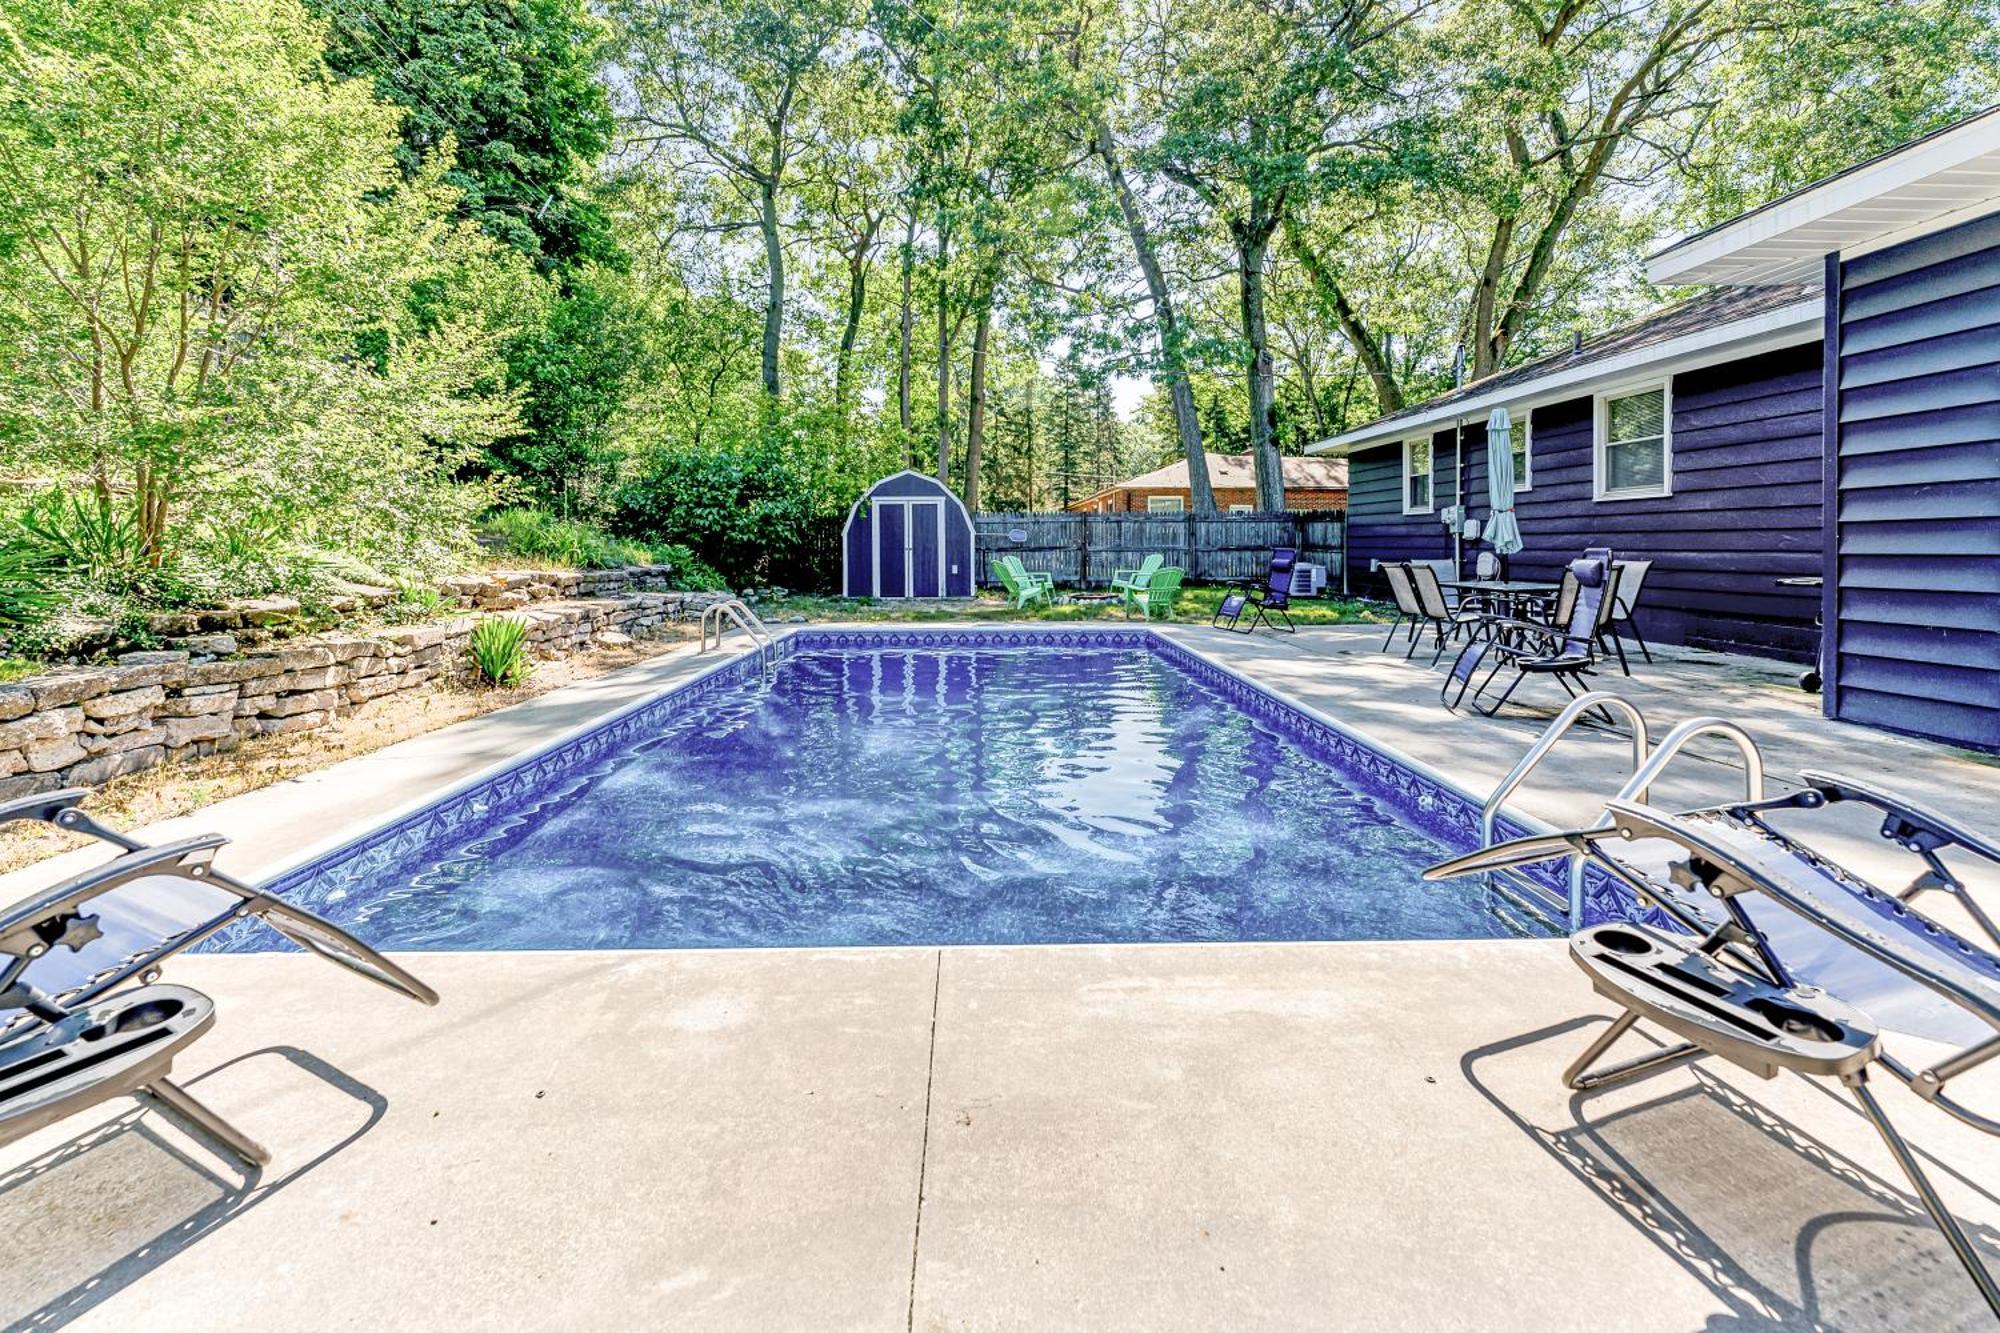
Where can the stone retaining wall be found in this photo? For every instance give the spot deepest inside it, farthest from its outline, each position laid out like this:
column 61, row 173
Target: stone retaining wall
column 81, row 726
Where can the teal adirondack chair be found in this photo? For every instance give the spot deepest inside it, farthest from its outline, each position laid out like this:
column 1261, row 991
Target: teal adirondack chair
column 1126, row 582
column 1021, row 585
column 1156, row 599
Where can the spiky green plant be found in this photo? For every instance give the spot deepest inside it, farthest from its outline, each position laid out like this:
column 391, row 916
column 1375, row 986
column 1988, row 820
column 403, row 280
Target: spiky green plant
column 499, row 650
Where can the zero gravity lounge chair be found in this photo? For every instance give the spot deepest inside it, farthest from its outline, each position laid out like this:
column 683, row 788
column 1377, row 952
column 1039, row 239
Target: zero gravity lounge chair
column 1268, row 604
column 1783, row 949
column 1567, row 651
column 84, row 1035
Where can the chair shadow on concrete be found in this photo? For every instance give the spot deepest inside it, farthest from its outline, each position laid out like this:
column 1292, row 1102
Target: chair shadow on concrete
column 1786, row 1231
column 92, row 1215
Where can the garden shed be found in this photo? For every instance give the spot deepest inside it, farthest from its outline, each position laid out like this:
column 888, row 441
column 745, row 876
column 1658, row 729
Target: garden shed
column 907, row 536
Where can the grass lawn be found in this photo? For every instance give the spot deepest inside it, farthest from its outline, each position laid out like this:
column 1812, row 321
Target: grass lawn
column 1195, row 605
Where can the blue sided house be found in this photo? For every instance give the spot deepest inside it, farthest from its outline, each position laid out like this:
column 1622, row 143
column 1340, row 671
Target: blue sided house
column 1828, row 407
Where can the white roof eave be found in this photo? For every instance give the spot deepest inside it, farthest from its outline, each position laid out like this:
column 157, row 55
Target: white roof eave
column 1933, row 183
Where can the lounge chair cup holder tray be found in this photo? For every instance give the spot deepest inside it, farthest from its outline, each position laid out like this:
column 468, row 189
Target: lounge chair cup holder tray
column 1761, row 1027
column 119, row 1045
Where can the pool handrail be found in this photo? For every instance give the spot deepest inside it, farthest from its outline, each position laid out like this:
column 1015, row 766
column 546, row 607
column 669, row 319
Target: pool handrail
column 1648, row 763
column 737, row 610
column 1593, row 701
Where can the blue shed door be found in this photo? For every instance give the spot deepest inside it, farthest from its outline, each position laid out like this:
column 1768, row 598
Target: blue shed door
column 892, row 530
column 926, row 548
column 909, row 548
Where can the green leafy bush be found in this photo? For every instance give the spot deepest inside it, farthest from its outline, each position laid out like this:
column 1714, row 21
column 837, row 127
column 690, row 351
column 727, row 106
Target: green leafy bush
column 748, row 512
column 499, row 650
column 417, row 601
column 689, row 570
column 538, row 536
column 94, row 540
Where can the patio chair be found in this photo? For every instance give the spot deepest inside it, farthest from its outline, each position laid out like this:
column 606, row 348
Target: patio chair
column 1265, row 605
column 1442, row 570
column 1631, row 579
column 1567, row 653
column 1125, row 582
column 1021, row 585
column 1409, row 611
column 1551, row 608
column 1447, row 621
column 73, row 1034
column 1486, row 565
column 1155, row 600
column 1781, row 945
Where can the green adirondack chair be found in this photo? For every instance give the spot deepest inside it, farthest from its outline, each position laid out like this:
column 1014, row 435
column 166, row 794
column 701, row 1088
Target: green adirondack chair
column 1021, row 585
column 1126, row 582
column 1156, row 598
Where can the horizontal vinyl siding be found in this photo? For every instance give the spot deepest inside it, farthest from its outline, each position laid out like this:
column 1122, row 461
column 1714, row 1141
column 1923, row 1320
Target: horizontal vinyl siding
column 1745, row 512
column 1377, row 527
column 1916, row 601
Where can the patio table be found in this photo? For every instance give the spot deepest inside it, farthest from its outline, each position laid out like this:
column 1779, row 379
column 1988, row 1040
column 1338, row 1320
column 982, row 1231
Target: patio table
column 1508, row 591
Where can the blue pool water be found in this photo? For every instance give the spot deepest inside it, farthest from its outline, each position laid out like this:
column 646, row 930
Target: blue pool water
column 955, row 796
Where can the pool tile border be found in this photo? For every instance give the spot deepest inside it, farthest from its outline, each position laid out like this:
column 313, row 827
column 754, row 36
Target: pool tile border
column 485, row 800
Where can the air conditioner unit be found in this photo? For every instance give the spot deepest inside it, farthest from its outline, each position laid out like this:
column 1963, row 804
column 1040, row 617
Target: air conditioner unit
column 1308, row 580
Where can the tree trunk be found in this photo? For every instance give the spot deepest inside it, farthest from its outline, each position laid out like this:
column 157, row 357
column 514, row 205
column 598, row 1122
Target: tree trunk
column 1031, row 438
column 1173, row 359
column 975, row 411
column 1485, row 352
column 850, row 331
column 1251, row 249
column 774, row 304
column 1388, row 390
column 903, row 340
column 943, row 392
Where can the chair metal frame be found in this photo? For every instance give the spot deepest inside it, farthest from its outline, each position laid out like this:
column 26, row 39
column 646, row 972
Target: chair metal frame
column 1409, row 612
column 1267, row 603
column 1631, row 581
column 1724, row 989
column 99, row 1038
column 1446, row 621
column 1567, row 652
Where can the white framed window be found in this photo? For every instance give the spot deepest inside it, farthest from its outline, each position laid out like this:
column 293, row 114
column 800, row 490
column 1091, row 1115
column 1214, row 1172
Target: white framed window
column 1165, row 504
column 1524, row 456
column 1634, row 442
column 1417, row 463
column 1241, row 509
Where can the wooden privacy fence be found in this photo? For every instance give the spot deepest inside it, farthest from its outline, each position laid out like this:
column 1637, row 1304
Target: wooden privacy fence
column 1084, row 549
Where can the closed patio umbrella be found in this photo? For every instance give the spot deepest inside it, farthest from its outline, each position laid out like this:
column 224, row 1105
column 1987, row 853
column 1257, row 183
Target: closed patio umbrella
column 1502, row 531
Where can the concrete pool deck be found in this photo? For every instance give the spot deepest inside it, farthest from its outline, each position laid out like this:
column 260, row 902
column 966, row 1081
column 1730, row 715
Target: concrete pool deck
column 1344, row 1135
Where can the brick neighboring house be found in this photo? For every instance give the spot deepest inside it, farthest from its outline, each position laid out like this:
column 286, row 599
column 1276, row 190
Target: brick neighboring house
column 1310, row 483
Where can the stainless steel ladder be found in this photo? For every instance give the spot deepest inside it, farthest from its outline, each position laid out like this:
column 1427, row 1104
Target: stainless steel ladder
column 1647, row 765
column 736, row 610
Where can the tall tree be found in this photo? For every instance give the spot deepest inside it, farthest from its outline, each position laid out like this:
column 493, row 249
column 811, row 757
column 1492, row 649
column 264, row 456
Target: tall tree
column 1263, row 106
column 722, row 89
column 1581, row 131
column 207, row 261
column 1172, row 337
column 514, row 84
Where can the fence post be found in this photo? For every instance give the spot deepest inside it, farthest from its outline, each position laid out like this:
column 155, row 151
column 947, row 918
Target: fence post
column 1083, row 550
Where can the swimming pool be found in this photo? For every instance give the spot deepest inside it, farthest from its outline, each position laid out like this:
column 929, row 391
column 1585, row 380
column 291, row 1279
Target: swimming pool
column 926, row 787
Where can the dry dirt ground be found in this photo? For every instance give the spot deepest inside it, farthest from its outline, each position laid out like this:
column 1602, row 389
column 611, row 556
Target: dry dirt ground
column 179, row 789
